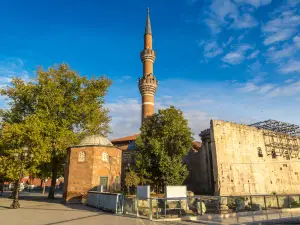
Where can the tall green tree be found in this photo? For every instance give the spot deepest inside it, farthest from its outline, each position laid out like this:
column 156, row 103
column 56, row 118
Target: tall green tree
column 68, row 105
column 164, row 141
column 15, row 162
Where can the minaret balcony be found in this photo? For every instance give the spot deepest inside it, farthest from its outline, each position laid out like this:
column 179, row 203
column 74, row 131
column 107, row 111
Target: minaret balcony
column 147, row 85
column 148, row 54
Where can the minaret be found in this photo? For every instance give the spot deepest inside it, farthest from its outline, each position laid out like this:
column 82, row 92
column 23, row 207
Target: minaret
column 147, row 83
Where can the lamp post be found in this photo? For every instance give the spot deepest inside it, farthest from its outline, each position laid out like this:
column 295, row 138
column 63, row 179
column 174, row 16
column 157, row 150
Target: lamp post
column 21, row 158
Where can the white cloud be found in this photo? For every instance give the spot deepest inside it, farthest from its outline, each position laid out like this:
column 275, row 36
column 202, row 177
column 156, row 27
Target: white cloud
column 256, row 70
column 230, row 101
column 211, row 49
column 283, row 24
column 230, row 40
column 289, row 81
column 291, row 66
column 296, row 40
column 124, row 78
column 252, row 87
column 9, row 68
column 243, row 21
column 255, row 3
column 271, row 90
column 276, row 55
column 237, row 56
column 291, row 89
column 223, row 8
column 266, row 88
column 280, row 35
column 126, row 117
column 223, row 13
column 254, row 54
column 249, row 87
column 12, row 67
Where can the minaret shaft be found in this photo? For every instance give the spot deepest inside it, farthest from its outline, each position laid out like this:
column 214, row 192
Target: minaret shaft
column 148, row 82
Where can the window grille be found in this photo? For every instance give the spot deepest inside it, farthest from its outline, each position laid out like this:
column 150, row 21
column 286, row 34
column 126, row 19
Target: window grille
column 81, row 157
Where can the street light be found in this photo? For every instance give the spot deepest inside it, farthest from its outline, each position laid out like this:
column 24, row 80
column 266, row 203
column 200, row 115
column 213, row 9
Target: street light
column 21, row 158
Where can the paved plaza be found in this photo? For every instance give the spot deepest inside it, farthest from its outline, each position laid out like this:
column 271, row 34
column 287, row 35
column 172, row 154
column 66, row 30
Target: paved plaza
column 38, row 210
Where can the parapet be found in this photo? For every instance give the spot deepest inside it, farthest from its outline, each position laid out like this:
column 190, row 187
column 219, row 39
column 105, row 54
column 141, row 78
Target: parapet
column 147, row 85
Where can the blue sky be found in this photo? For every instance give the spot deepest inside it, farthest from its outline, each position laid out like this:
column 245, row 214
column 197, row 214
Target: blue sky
column 235, row 60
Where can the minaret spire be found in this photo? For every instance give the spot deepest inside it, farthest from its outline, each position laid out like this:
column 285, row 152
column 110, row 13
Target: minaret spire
column 148, row 82
column 148, row 24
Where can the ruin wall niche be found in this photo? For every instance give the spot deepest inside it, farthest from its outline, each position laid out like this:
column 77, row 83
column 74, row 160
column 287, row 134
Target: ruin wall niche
column 244, row 162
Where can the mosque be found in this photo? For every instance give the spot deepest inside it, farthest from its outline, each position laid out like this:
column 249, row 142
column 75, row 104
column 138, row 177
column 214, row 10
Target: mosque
column 97, row 160
column 232, row 159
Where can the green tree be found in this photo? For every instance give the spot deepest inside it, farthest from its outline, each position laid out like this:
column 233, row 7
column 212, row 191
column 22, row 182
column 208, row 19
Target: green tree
column 165, row 139
column 15, row 162
column 68, row 105
column 131, row 180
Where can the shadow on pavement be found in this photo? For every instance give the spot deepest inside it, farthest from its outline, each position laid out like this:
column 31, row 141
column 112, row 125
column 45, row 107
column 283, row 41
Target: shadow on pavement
column 40, row 198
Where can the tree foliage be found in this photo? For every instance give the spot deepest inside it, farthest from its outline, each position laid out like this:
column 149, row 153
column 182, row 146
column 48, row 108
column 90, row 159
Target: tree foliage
column 165, row 139
column 131, row 179
column 14, row 136
column 67, row 106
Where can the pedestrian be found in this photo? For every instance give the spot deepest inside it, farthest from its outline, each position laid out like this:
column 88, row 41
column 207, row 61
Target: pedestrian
column 1, row 189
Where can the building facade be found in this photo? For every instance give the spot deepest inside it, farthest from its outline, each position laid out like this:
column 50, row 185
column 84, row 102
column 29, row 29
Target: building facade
column 240, row 159
column 94, row 164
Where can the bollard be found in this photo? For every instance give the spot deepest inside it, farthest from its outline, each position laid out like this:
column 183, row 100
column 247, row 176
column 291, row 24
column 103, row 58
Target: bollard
column 180, row 207
column 156, row 208
column 137, row 207
column 200, row 206
column 165, row 207
column 265, row 203
column 150, row 213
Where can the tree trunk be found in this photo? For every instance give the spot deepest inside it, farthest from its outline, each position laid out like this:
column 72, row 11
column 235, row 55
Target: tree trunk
column 15, row 204
column 53, row 179
column 44, row 187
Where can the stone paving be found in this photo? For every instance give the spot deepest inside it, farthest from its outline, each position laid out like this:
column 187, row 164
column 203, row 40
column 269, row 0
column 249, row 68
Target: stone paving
column 38, row 210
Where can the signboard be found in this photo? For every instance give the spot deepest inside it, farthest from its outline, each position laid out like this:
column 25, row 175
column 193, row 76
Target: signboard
column 143, row 191
column 175, row 191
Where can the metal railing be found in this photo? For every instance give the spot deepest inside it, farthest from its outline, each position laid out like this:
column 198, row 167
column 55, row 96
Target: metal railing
column 159, row 208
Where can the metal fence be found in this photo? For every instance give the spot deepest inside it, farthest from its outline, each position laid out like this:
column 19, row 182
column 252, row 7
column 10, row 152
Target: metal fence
column 159, row 208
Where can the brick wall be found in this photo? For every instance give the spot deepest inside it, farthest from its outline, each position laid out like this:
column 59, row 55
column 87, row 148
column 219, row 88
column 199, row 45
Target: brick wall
column 82, row 176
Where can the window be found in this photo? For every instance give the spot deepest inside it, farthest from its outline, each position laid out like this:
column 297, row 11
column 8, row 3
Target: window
column 105, row 157
column 104, row 182
column 81, row 157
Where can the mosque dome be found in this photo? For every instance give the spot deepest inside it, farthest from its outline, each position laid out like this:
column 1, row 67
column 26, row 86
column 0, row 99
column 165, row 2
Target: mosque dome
column 94, row 140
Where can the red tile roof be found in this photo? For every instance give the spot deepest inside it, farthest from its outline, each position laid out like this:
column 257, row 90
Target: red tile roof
column 195, row 146
column 127, row 138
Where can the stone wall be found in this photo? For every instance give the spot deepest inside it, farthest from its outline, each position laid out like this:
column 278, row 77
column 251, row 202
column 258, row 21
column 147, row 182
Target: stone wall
column 243, row 163
column 198, row 178
column 82, row 176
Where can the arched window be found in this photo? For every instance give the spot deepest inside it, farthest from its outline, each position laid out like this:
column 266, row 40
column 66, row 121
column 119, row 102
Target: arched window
column 81, row 157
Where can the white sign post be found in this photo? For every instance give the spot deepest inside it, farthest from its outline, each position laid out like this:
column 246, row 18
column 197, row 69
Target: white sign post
column 176, row 191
